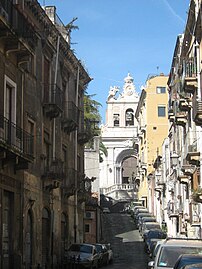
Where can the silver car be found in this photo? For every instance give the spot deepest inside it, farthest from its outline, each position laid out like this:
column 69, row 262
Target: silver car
column 83, row 254
column 171, row 249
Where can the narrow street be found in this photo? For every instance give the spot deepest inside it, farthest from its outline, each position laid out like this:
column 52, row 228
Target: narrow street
column 127, row 244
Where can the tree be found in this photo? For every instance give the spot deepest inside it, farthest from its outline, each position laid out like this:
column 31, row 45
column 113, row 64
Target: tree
column 92, row 118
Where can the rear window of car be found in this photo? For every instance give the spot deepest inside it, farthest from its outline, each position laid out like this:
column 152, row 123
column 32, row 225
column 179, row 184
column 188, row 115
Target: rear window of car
column 81, row 248
column 169, row 254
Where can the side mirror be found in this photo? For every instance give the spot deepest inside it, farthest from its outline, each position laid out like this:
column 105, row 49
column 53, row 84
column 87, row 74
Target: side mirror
column 151, row 264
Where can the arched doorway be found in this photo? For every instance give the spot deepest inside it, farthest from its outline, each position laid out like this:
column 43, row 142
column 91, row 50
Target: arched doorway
column 129, row 166
column 29, row 240
column 64, row 235
column 46, row 237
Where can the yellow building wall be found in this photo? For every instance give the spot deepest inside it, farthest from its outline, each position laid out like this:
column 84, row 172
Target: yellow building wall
column 156, row 127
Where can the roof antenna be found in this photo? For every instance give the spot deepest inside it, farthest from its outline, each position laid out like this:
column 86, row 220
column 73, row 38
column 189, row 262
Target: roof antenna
column 157, row 69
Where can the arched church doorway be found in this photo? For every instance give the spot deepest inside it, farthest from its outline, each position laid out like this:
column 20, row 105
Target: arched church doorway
column 129, row 169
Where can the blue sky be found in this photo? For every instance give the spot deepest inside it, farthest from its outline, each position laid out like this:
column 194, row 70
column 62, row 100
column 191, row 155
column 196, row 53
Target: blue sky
column 120, row 36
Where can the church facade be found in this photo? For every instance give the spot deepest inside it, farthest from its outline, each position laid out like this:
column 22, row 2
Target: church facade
column 119, row 136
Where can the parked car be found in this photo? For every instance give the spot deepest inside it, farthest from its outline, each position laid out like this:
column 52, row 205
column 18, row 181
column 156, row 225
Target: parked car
column 193, row 266
column 186, row 259
column 147, row 226
column 145, row 219
column 103, row 254
column 139, row 216
column 154, row 247
column 158, row 234
column 83, row 254
column 110, row 253
column 106, row 210
column 170, row 250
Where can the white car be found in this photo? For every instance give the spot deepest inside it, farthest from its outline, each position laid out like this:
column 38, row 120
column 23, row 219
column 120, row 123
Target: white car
column 106, row 210
column 170, row 250
column 83, row 254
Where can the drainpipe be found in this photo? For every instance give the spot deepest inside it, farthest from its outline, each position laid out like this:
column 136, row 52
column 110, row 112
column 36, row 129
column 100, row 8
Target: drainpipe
column 76, row 168
column 54, row 135
column 55, row 81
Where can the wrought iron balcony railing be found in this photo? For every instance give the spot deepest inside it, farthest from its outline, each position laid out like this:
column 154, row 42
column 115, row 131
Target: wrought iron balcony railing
column 190, row 73
column 53, row 170
column 70, row 120
column 197, row 110
column 53, row 100
column 15, row 139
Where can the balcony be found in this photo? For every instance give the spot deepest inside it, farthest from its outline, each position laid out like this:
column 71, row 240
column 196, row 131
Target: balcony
column 188, row 169
column 54, row 170
column 69, row 183
column 17, row 33
column 193, row 155
column 197, row 110
column 184, row 104
column 88, row 130
column 52, row 102
column 71, row 120
column 190, row 68
column 181, row 118
column 171, row 115
column 15, row 143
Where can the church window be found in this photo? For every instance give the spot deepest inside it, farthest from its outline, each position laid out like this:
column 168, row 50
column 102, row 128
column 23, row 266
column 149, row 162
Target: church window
column 116, row 119
column 129, row 117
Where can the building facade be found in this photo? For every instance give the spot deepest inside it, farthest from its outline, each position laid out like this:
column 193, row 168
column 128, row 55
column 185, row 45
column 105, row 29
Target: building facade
column 151, row 115
column 42, row 183
column 180, row 165
column 119, row 135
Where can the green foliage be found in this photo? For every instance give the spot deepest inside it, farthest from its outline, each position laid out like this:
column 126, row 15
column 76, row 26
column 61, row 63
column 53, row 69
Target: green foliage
column 92, row 116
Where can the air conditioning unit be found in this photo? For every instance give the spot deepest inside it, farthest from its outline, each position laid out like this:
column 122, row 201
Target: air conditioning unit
column 3, row 13
column 89, row 215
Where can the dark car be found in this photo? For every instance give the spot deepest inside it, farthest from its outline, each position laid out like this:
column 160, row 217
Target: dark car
column 186, row 259
column 193, row 266
column 103, row 254
column 83, row 254
column 158, row 234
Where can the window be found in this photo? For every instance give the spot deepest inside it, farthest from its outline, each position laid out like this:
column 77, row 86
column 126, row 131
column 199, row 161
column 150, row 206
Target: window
column 47, row 149
column 87, row 228
column 160, row 89
column 161, row 111
column 116, row 119
column 129, row 117
column 31, row 130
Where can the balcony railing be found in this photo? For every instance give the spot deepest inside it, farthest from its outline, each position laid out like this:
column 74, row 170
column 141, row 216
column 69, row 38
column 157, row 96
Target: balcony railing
column 15, row 139
column 53, row 100
column 197, row 110
column 54, row 170
column 190, row 72
column 181, row 118
column 69, row 182
column 87, row 131
column 70, row 120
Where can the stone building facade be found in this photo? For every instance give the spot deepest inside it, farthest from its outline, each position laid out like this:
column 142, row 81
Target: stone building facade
column 42, row 186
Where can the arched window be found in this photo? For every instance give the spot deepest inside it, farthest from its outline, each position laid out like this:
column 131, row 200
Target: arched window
column 46, row 237
column 129, row 117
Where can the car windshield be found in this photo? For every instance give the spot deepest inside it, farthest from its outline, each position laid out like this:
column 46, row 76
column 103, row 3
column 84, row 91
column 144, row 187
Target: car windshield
column 81, row 248
column 151, row 226
column 170, row 254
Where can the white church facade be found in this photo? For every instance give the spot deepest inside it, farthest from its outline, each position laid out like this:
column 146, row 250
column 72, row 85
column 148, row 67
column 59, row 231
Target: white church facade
column 119, row 135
